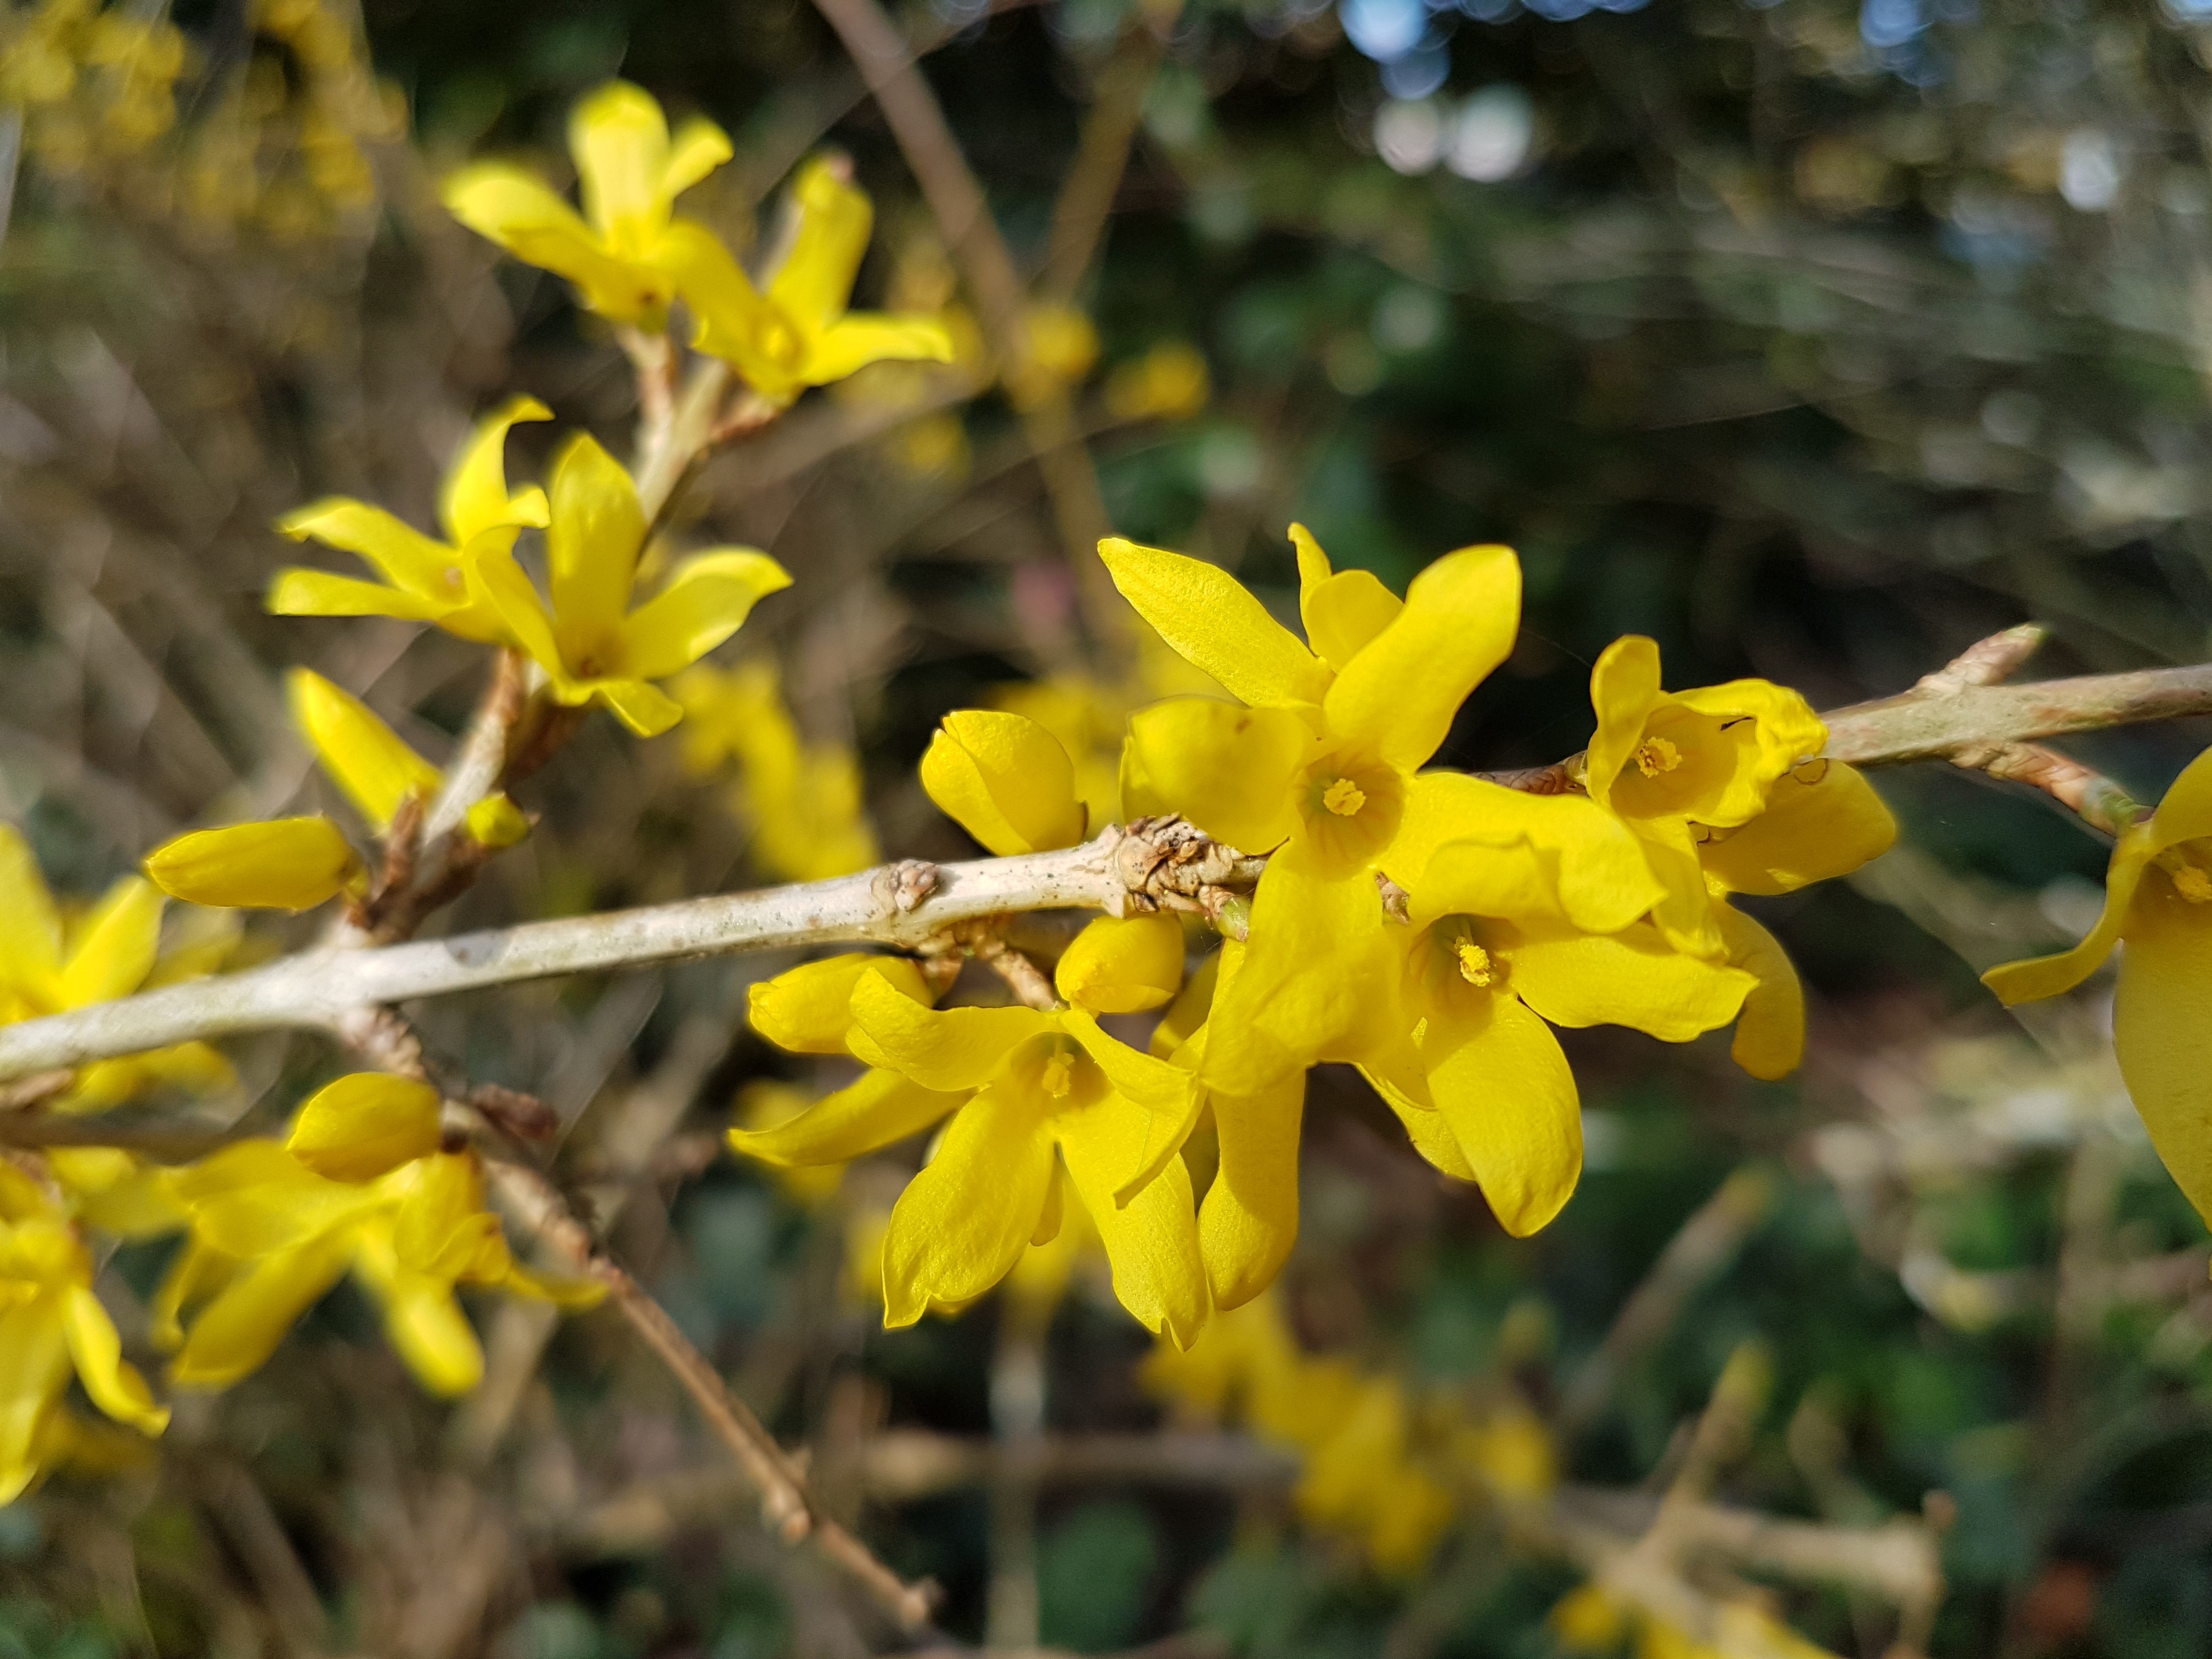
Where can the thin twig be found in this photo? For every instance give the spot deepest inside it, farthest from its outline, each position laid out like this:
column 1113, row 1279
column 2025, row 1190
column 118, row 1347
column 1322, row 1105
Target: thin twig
column 1101, row 155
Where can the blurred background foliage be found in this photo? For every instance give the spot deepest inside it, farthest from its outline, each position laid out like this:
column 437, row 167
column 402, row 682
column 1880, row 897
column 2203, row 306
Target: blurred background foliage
column 1815, row 339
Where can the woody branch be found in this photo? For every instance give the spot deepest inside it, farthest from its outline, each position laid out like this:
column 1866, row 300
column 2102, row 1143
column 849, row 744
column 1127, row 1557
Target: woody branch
column 1151, row 864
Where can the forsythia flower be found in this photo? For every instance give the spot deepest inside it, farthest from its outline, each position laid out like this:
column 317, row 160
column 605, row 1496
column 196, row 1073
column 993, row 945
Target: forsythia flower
column 2158, row 901
column 631, row 173
column 591, row 645
column 799, row 333
column 1318, row 766
column 1169, row 383
column 1675, row 764
column 803, row 800
column 52, row 1327
column 361, row 1184
column 47, row 967
column 423, row 579
column 1592, row 1619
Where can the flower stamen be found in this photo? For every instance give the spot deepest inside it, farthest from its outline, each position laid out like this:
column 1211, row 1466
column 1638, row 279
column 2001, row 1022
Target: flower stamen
column 1656, row 755
column 1059, row 1076
column 2193, row 885
column 1474, row 964
column 1344, row 797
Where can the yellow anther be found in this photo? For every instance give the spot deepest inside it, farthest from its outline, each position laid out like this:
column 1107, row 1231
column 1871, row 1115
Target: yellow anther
column 1344, row 797
column 1474, row 965
column 1059, row 1076
column 1656, row 755
column 2193, row 885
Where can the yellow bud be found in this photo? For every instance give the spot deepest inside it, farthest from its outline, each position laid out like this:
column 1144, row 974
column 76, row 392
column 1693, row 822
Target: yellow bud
column 285, row 864
column 809, row 1010
column 1122, row 967
column 364, row 756
column 496, row 822
column 1005, row 780
column 365, row 1126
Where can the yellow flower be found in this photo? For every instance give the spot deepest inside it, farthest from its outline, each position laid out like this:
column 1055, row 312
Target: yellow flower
column 282, row 864
column 1533, row 918
column 1821, row 820
column 631, row 173
column 799, row 333
column 48, row 967
column 1169, row 383
column 1318, row 766
column 52, row 1327
column 804, row 800
column 1005, row 780
column 1670, row 763
column 591, row 645
column 359, row 1186
column 2158, row 901
column 1361, row 1480
column 1034, row 1091
column 424, row 580
column 764, row 1104
column 366, row 758
column 1060, row 347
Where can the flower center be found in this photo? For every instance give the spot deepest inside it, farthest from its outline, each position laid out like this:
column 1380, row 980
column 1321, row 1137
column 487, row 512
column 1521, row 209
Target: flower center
column 1656, row 755
column 1344, row 797
column 1059, row 1076
column 1474, row 964
column 2193, row 885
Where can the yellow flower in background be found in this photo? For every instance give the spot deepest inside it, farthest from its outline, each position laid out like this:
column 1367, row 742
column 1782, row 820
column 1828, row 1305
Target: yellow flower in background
column 1533, row 918
column 52, row 1328
column 1060, row 347
column 2158, row 903
column 591, row 645
column 799, row 333
column 50, row 963
column 631, row 172
column 1316, row 767
column 423, row 579
column 804, row 800
column 1822, row 819
column 1672, row 763
column 1361, row 1482
column 359, row 1186
column 765, row 1104
column 1169, row 383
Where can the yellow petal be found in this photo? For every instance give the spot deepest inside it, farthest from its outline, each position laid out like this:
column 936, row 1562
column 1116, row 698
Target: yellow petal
column 706, row 601
column 698, row 148
column 1396, row 698
column 2185, row 813
column 511, row 208
column 1167, row 1095
column 285, row 864
column 496, row 822
column 1631, row 978
column 35, row 1365
column 591, row 549
column 475, row 498
column 242, row 1328
column 115, row 1387
column 816, row 278
column 1683, row 913
column 113, row 948
column 30, row 927
column 400, row 553
column 364, row 756
column 1006, row 780
column 2039, row 977
column 1770, row 1033
column 497, row 583
column 1123, row 966
column 646, row 710
column 964, row 1221
column 1589, row 859
column 958, row 1048
column 620, row 140
column 1501, row 1082
column 361, row 1125
column 1216, row 625
column 1341, row 611
column 880, row 1109
column 1783, row 728
column 809, row 1009
column 732, row 319
column 1623, row 690
column 2162, row 1035
column 1188, row 1012
column 1230, row 770
column 1250, row 1220
column 861, row 337
column 428, row 1331
column 297, row 592
column 1151, row 1241
column 1310, row 978
column 1810, row 831
column 254, row 1198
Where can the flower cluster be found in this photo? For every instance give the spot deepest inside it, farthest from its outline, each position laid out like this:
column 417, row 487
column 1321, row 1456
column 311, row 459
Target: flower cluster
column 1430, row 927
column 1377, row 1468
